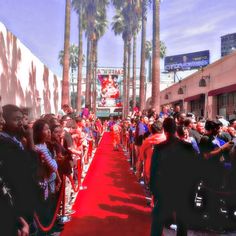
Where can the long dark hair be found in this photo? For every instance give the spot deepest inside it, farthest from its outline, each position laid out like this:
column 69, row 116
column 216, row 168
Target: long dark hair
column 37, row 130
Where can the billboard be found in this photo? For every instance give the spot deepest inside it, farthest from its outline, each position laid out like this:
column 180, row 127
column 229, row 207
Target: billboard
column 109, row 90
column 188, row 61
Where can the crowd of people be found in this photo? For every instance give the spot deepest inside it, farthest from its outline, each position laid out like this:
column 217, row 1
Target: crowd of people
column 36, row 156
column 187, row 163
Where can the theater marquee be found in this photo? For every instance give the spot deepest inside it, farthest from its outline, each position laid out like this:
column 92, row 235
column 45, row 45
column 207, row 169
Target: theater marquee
column 110, row 71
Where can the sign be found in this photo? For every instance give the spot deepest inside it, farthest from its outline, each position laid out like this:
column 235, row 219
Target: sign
column 188, row 61
column 109, row 90
column 110, row 71
column 103, row 112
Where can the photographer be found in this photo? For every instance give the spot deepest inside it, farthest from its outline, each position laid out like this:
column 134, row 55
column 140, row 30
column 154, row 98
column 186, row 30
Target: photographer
column 214, row 152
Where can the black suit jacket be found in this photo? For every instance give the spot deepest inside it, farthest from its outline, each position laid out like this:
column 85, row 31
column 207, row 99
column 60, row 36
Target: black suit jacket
column 17, row 170
column 173, row 171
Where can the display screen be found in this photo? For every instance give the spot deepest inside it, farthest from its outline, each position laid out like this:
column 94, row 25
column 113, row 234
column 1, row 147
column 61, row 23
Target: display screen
column 188, row 61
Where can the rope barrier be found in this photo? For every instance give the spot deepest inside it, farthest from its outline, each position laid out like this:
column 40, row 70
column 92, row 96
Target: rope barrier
column 49, row 227
column 61, row 198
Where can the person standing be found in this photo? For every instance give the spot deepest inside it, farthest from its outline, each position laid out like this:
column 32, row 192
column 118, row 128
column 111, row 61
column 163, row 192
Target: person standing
column 115, row 131
column 171, row 180
column 17, row 169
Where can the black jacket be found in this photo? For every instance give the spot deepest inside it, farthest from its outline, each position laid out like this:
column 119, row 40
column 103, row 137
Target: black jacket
column 17, row 170
column 174, row 171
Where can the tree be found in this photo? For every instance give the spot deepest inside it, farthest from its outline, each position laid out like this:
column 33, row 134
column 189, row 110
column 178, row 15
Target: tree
column 100, row 28
column 92, row 9
column 125, row 24
column 65, row 79
column 134, row 71
column 136, row 28
column 74, row 64
column 118, row 26
column 78, row 6
column 148, row 55
column 142, row 65
column 156, row 57
column 73, row 57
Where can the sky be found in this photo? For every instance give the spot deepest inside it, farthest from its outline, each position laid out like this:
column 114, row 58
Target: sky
column 185, row 26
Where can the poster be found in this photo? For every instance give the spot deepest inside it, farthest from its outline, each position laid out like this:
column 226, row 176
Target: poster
column 109, row 90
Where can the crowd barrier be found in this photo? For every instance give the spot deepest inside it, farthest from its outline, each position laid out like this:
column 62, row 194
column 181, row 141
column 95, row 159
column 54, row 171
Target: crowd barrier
column 61, row 197
column 61, row 200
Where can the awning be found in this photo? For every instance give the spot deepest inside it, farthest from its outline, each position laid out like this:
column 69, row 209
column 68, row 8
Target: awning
column 227, row 89
column 195, row 97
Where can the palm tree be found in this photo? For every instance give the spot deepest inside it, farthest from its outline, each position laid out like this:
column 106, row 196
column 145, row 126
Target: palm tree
column 125, row 23
column 148, row 55
column 74, row 65
column 163, row 49
column 78, row 6
column 156, row 57
column 118, row 26
column 91, row 7
column 134, row 71
column 100, row 27
column 73, row 57
column 65, row 80
column 142, row 66
column 136, row 29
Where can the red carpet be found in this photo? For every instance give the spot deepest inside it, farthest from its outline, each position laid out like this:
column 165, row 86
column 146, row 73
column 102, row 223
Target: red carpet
column 113, row 203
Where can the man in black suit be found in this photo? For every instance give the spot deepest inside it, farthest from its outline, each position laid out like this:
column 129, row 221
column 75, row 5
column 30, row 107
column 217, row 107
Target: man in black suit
column 16, row 171
column 172, row 180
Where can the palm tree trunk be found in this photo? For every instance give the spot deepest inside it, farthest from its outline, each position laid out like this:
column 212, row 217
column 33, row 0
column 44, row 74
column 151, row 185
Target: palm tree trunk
column 88, row 74
column 142, row 66
column 128, row 76
column 124, row 111
column 156, row 57
column 150, row 69
column 94, row 69
column 80, row 63
column 134, row 71
column 65, row 97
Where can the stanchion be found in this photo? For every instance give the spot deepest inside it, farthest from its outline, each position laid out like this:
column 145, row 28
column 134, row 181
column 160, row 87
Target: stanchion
column 64, row 196
column 49, row 227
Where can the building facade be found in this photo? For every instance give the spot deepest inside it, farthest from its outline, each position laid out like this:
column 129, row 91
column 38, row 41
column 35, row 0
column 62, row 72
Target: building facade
column 208, row 92
column 228, row 44
column 24, row 80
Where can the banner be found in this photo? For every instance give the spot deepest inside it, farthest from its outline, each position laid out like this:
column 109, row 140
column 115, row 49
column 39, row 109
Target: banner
column 188, row 61
column 109, row 90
